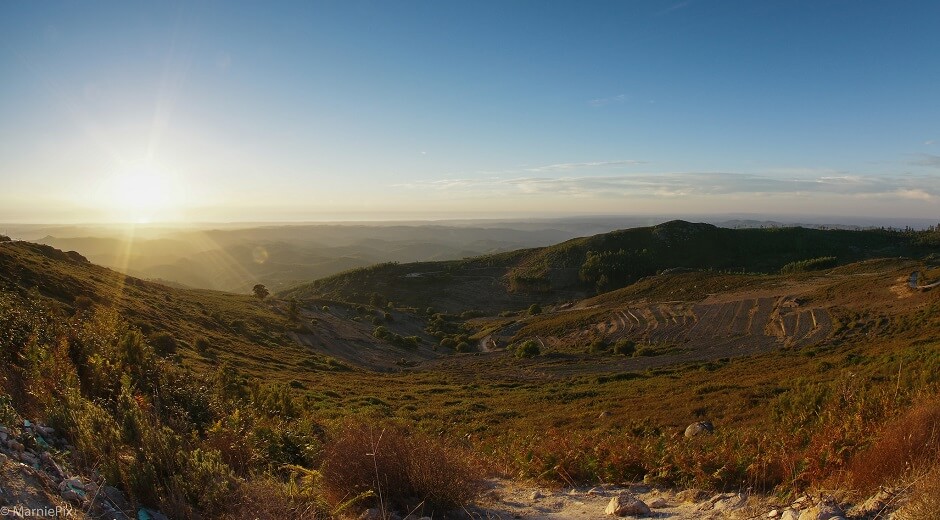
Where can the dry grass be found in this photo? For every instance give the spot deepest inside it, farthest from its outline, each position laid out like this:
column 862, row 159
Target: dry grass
column 905, row 446
column 925, row 500
column 269, row 499
column 398, row 471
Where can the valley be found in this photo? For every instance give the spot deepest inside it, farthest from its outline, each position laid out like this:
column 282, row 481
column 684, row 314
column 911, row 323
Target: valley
column 552, row 382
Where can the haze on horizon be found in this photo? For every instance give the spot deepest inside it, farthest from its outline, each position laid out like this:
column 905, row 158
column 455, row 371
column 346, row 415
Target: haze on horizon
column 300, row 111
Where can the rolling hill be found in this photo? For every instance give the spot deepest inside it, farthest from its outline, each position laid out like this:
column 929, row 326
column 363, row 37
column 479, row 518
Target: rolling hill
column 582, row 267
column 803, row 373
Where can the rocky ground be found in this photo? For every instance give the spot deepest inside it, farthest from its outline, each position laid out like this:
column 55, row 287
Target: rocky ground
column 35, row 480
column 509, row 500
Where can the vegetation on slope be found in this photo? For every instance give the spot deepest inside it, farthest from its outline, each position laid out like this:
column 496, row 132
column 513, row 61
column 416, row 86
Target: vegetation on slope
column 263, row 429
column 608, row 261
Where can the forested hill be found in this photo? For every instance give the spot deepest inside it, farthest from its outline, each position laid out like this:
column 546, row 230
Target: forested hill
column 608, row 261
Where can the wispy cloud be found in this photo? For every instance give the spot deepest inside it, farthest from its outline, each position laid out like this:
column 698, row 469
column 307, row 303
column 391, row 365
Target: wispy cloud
column 926, row 159
column 674, row 7
column 601, row 102
column 580, row 166
column 682, row 184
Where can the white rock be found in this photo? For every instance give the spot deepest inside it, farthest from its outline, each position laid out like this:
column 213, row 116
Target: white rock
column 773, row 513
column 626, row 504
column 790, row 514
column 731, row 503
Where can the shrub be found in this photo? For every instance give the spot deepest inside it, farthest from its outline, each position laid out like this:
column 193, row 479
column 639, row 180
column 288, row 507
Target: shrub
column 164, row 344
column 398, row 470
column 624, row 347
column 205, row 481
column 528, row 349
column 905, row 446
column 535, row 309
column 597, row 346
column 203, row 346
column 812, row 264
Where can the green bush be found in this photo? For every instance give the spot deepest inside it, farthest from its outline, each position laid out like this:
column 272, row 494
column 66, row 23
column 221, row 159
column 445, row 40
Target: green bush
column 624, row 347
column 812, row 264
column 164, row 344
column 528, row 349
column 597, row 346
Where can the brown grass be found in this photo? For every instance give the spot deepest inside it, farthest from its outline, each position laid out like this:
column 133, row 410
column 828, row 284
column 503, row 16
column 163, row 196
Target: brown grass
column 269, row 499
column 905, row 446
column 925, row 500
column 403, row 472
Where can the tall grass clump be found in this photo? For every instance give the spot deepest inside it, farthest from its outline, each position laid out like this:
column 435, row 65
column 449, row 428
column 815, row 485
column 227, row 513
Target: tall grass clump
column 396, row 471
column 902, row 449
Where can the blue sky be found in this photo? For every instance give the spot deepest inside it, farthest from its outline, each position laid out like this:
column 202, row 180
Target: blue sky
column 318, row 110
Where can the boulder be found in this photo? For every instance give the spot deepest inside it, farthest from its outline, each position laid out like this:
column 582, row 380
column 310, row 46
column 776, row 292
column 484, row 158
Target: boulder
column 625, row 503
column 72, row 489
column 116, row 497
column 699, row 428
column 730, row 503
column 874, row 505
column 790, row 514
column 826, row 509
column 52, row 467
column 691, row 495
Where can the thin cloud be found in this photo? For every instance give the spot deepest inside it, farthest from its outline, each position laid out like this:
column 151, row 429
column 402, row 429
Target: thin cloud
column 674, row 7
column 580, row 165
column 601, row 102
column 926, row 159
column 682, row 184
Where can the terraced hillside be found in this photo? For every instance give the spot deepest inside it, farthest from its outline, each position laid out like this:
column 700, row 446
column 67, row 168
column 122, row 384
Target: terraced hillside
column 721, row 316
column 747, row 321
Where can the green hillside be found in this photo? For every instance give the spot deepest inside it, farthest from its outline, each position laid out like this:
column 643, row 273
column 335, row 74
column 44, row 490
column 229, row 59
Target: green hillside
column 806, row 375
column 586, row 266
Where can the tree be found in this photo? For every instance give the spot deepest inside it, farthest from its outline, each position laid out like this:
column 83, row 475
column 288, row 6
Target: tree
column 293, row 310
column 260, row 291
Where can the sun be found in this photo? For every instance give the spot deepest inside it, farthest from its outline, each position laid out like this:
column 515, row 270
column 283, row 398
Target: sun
column 143, row 194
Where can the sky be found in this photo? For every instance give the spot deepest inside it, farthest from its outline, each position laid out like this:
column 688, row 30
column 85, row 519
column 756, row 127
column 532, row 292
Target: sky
column 279, row 111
